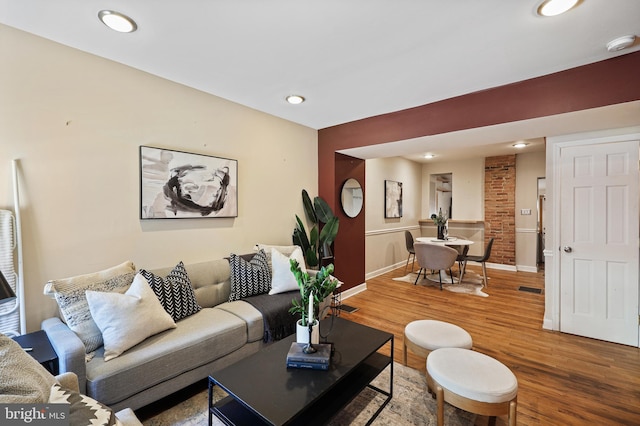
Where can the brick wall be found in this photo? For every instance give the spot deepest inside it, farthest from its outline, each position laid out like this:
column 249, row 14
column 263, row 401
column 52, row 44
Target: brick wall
column 499, row 208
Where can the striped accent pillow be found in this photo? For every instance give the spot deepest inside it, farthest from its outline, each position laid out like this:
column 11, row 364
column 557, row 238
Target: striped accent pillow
column 249, row 278
column 174, row 292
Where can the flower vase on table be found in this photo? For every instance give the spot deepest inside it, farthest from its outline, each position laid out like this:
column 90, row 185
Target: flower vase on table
column 440, row 220
column 315, row 287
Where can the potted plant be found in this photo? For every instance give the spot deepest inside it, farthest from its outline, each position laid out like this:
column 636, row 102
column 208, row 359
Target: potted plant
column 317, row 245
column 315, row 289
column 440, row 220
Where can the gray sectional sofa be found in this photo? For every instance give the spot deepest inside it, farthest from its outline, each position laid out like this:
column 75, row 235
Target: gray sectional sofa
column 220, row 334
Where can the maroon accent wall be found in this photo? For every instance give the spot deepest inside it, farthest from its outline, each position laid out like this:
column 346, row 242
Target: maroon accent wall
column 595, row 85
column 349, row 245
column 603, row 83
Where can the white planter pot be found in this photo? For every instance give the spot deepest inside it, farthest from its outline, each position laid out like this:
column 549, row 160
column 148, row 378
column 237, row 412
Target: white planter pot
column 302, row 335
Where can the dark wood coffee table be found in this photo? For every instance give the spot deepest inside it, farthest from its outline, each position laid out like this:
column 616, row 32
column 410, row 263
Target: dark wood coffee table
column 263, row 391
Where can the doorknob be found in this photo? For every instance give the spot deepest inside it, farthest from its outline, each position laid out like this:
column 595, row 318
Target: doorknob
column 567, row 249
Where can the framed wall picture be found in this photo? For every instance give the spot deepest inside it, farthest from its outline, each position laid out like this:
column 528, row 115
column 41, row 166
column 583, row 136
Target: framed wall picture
column 180, row 185
column 392, row 199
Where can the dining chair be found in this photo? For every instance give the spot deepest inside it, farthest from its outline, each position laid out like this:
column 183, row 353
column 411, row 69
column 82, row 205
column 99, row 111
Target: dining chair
column 481, row 259
column 463, row 250
column 435, row 257
column 408, row 237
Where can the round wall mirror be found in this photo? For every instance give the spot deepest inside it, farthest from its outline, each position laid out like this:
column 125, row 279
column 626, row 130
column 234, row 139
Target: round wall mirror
column 351, row 197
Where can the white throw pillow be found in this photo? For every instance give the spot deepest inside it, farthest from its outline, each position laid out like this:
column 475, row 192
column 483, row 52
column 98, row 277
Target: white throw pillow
column 127, row 319
column 282, row 279
column 286, row 250
column 72, row 302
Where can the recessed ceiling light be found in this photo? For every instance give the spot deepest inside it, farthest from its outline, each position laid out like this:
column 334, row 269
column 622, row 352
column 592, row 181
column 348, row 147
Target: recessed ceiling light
column 555, row 7
column 295, row 99
column 429, row 156
column 117, row 21
column 520, row 144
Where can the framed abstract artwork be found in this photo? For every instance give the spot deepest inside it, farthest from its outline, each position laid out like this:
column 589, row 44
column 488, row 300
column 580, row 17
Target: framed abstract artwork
column 181, row 185
column 392, row 199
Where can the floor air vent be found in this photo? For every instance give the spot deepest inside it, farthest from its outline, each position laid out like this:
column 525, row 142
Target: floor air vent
column 530, row 289
column 347, row 308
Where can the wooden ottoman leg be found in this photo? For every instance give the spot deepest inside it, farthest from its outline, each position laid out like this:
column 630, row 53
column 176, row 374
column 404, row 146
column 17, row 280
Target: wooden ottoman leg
column 513, row 409
column 440, row 401
column 404, row 352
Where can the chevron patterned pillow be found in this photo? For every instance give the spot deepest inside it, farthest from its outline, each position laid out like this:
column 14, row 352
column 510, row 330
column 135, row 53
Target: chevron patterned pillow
column 174, row 292
column 249, row 278
column 82, row 409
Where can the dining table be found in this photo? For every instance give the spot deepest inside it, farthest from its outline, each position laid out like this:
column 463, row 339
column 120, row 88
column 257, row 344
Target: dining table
column 453, row 242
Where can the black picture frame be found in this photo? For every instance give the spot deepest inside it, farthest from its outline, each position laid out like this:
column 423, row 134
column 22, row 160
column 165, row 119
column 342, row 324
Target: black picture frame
column 184, row 185
column 392, row 199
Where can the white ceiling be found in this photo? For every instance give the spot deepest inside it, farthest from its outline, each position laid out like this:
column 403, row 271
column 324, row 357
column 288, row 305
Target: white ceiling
column 350, row 59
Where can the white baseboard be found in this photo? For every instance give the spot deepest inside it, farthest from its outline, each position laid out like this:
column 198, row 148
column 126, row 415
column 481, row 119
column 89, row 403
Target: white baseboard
column 353, row 291
column 511, row 268
column 384, row 270
column 526, row 268
column 500, row 266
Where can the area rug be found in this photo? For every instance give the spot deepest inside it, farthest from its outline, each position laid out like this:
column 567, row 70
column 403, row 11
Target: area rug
column 410, row 405
column 471, row 283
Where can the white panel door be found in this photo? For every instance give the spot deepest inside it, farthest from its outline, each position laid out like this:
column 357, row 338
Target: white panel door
column 599, row 241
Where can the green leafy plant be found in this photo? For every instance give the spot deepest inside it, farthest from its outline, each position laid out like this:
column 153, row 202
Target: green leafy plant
column 319, row 283
column 317, row 244
column 440, row 219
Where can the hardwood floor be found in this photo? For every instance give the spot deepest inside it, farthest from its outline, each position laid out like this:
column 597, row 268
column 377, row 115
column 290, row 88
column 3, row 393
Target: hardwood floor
column 563, row 379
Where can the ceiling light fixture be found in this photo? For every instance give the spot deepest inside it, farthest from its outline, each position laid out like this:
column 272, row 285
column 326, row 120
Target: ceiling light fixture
column 520, row 144
column 621, row 43
column 117, row 21
column 429, row 156
column 555, row 7
column 295, row 99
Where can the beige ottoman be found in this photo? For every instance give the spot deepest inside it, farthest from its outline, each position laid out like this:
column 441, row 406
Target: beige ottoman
column 473, row 382
column 424, row 336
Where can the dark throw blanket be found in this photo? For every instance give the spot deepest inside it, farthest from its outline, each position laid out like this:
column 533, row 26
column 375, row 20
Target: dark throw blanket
column 278, row 322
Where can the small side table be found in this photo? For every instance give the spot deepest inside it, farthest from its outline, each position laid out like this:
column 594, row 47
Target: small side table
column 40, row 349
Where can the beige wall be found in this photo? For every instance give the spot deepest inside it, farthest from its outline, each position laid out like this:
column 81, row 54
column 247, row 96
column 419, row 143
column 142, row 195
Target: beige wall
column 384, row 241
column 529, row 167
column 384, row 238
column 467, row 188
column 75, row 122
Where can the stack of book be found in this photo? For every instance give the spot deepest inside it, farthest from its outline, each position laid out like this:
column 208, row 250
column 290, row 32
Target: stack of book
column 318, row 360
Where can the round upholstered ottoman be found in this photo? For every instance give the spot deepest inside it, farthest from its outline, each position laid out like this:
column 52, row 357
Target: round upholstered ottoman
column 424, row 336
column 473, row 382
